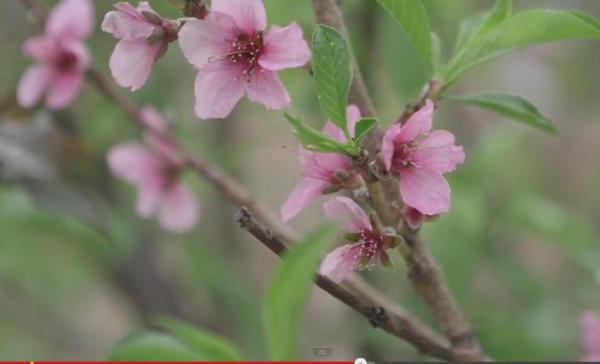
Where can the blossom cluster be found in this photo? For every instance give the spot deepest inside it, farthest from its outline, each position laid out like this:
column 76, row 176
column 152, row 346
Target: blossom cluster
column 236, row 55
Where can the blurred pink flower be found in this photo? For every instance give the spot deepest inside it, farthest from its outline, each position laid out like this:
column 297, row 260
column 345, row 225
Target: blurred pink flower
column 143, row 37
column 61, row 55
column 235, row 57
column 323, row 171
column 364, row 254
column 590, row 326
column 154, row 172
column 421, row 157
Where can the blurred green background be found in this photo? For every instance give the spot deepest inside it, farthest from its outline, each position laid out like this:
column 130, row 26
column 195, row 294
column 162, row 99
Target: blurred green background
column 520, row 246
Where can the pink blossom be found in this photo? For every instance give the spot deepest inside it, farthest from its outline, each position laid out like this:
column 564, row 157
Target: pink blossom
column 590, row 326
column 323, row 172
column 61, row 55
column 143, row 37
column 421, row 157
column 235, row 57
column 154, row 171
column 364, row 254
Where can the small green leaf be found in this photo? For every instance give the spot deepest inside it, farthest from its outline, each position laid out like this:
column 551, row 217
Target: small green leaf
column 362, row 127
column 332, row 67
column 210, row 346
column 150, row 346
column 523, row 29
column 288, row 293
column 514, row 107
column 411, row 16
column 474, row 26
column 437, row 57
column 313, row 140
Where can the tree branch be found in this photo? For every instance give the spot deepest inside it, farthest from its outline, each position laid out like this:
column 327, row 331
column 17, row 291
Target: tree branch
column 396, row 322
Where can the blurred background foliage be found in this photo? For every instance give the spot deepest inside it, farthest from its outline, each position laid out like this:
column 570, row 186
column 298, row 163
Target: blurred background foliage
column 520, row 246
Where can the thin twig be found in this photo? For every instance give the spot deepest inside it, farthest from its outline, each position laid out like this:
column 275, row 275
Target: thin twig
column 401, row 324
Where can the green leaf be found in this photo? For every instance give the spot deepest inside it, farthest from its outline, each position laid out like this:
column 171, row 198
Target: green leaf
column 332, row 67
column 288, row 293
column 514, row 107
column 411, row 16
column 210, row 346
column 362, row 127
column 313, row 140
column 523, row 29
column 437, row 57
column 150, row 346
column 479, row 24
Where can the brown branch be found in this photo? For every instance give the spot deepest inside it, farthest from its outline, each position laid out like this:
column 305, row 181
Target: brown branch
column 397, row 322
column 424, row 272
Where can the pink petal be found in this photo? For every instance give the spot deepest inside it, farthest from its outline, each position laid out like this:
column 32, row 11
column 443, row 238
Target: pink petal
column 127, row 8
column 79, row 51
column 438, row 152
column 63, row 89
column 145, row 6
column 249, row 15
column 590, row 327
column 284, row 48
column 41, row 48
column 307, row 191
column 353, row 115
column 133, row 162
column 388, row 144
column 71, row 18
column 126, row 26
column 425, row 190
column 219, row 86
column 178, row 209
column 33, row 84
column 266, row 88
column 209, row 39
column 413, row 217
column 332, row 131
column 343, row 205
column 150, row 193
column 131, row 62
column 338, row 264
column 418, row 124
column 154, row 119
column 322, row 165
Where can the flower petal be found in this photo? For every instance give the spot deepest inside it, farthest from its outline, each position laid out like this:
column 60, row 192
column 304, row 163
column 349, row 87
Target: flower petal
column 413, row 217
column 307, row 191
column 71, row 18
column 219, row 86
column 63, row 89
column 209, row 39
column 338, row 264
column 154, row 119
column 284, row 48
column 425, row 190
column 589, row 322
column 178, row 209
column 249, row 15
column 353, row 115
column 41, row 48
column 266, row 88
column 418, row 124
column 133, row 162
column 127, row 26
column 33, row 84
column 150, row 193
column 438, row 152
column 343, row 205
column 332, row 131
column 388, row 144
column 131, row 62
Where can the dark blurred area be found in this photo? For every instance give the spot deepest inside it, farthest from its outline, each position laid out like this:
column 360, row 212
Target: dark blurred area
column 520, row 246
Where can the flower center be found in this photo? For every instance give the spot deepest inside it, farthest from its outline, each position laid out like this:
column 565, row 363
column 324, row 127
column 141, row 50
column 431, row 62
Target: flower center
column 403, row 155
column 372, row 243
column 246, row 50
column 65, row 61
